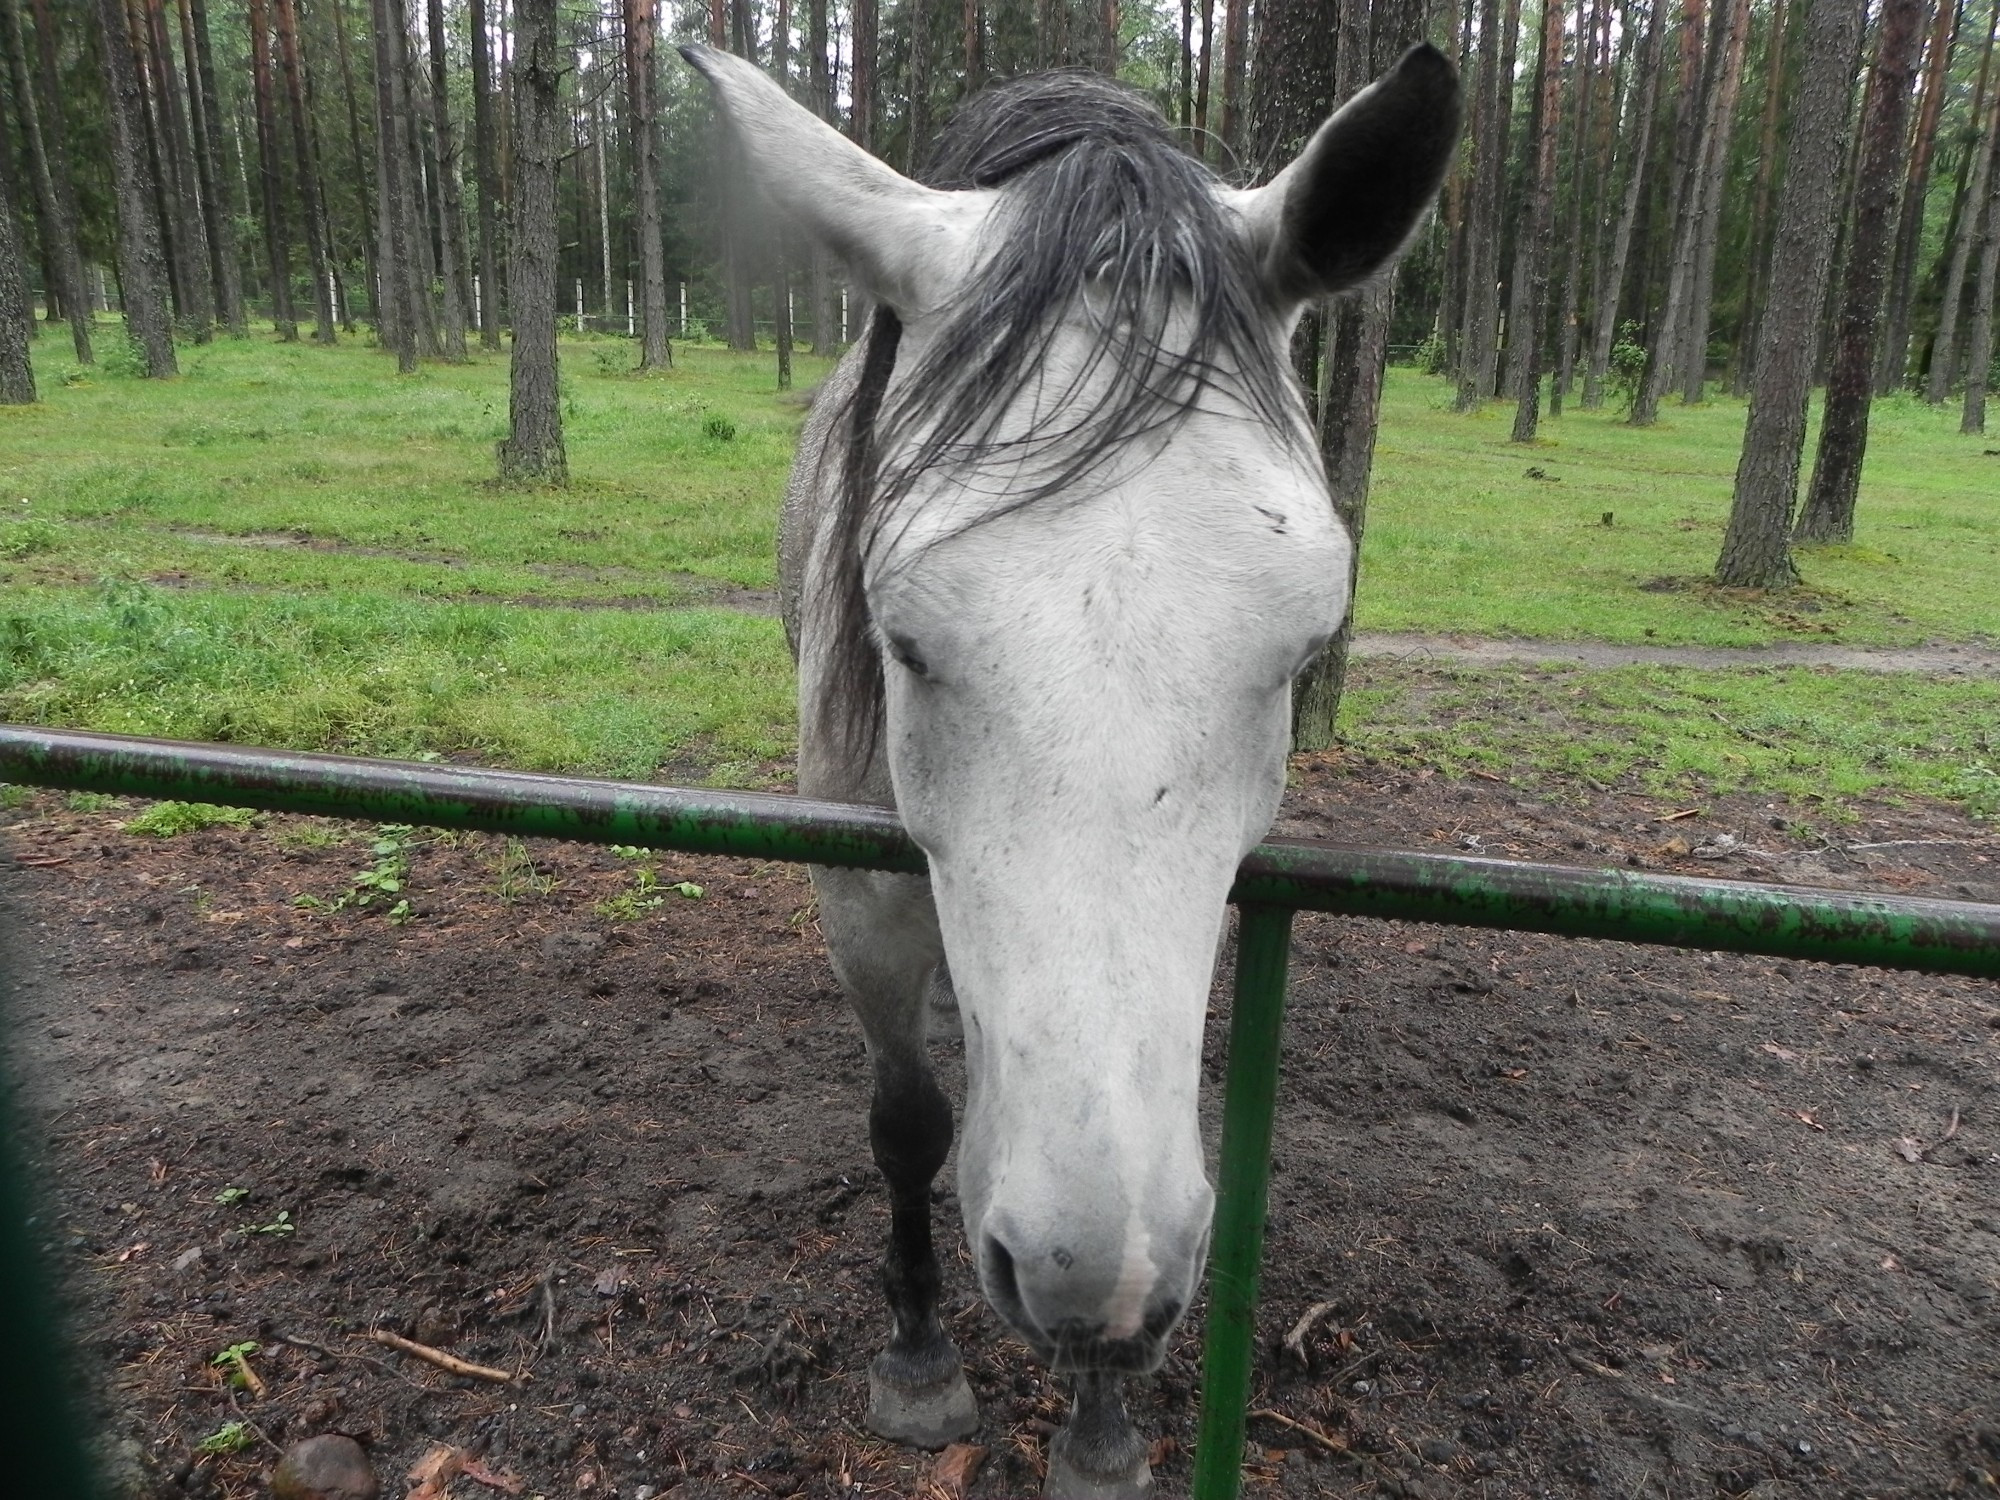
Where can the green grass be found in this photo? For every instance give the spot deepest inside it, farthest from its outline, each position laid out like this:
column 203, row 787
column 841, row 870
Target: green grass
column 1801, row 734
column 294, row 546
column 1460, row 539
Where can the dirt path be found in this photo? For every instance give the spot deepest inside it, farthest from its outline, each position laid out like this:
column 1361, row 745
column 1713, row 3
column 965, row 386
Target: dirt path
column 1938, row 659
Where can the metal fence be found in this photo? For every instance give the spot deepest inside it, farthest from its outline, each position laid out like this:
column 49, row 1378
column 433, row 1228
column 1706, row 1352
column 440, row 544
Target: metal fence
column 1280, row 877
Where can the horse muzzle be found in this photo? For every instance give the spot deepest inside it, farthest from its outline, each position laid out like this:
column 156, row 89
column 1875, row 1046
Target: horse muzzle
column 1076, row 1320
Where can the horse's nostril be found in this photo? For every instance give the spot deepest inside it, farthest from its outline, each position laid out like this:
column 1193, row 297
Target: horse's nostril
column 1001, row 1283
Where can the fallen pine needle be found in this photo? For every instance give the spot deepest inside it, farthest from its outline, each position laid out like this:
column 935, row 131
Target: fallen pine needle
column 438, row 1357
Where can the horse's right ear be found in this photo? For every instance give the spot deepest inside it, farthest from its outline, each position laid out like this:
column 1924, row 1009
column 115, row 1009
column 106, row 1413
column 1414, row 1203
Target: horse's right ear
column 910, row 245
column 1349, row 203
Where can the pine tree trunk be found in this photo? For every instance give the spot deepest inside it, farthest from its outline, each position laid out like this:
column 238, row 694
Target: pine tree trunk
column 917, row 124
column 277, row 238
column 420, row 264
column 1531, row 266
column 1755, row 550
column 451, row 208
column 1235, row 47
column 50, row 208
column 1205, row 80
column 1760, row 212
column 1357, row 355
column 1476, row 351
column 190, row 242
column 397, row 312
column 1982, row 156
column 17, row 316
column 1636, row 151
column 1715, row 177
column 302, row 161
column 485, row 176
column 370, row 269
column 1979, row 360
column 225, row 265
column 1685, row 185
column 1589, row 71
column 740, row 321
column 142, row 263
column 826, row 337
column 533, row 449
column 1828, row 515
column 55, row 137
column 1893, row 364
column 655, row 352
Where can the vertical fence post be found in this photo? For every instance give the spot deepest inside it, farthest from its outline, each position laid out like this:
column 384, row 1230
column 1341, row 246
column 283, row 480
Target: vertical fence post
column 579, row 304
column 478, row 307
column 631, row 320
column 1256, row 1026
column 684, row 309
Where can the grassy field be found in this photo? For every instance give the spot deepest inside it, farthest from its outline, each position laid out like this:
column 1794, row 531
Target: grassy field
column 292, row 545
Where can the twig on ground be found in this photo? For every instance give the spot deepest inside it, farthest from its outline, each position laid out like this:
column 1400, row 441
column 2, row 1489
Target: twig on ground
column 1305, row 1429
column 447, row 1362
column 1919, row 844
column 1295, row 1341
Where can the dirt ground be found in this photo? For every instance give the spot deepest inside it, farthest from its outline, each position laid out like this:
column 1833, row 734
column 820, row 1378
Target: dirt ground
column 1575, row 1218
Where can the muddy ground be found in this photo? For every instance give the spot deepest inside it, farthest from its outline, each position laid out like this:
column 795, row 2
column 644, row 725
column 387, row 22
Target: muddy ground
column 1588, row 1219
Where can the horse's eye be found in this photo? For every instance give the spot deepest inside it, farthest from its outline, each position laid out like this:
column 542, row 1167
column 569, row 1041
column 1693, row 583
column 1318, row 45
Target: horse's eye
column 907, row 657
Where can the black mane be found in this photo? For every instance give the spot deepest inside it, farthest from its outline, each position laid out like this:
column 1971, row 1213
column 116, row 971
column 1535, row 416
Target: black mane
column 1095, row 189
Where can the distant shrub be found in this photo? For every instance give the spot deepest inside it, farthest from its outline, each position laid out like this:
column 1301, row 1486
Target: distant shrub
column 719, row 428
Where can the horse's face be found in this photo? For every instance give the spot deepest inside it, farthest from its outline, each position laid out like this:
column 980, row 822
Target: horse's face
column 1086, row 708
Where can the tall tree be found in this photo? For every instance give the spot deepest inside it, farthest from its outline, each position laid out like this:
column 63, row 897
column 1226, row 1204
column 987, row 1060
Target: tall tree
column 277, row 234
column 1235, row 59
column 188, row 242
column 819, row 84
column 17, row 318
column 360, row 173
column 398, row 291
column 485, row 174
column 1828, row 515
column 1478, row 355
column 1894, row 360
column 1714, row 163
column 308, row 170
column 1768, row 151
column 729, row 28
column 1979, row 359
column 142, row 262
column 655, row 352
column 1588, row 137
column 533, row 449
column 1755, row 550
column 1636, row 152
column 1531, row 266
column 225, row 265
column 1981, row 157
column 50, row 206
column 451, row 210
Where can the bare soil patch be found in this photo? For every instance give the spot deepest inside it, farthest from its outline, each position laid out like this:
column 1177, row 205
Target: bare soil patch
column 1940, row 659
column 1591, row 1219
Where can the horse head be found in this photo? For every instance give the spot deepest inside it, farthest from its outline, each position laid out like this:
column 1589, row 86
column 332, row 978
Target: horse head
column 1085, row 546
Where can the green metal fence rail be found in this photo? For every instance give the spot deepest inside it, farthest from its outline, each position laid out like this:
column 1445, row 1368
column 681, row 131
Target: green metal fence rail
column 1280, row 877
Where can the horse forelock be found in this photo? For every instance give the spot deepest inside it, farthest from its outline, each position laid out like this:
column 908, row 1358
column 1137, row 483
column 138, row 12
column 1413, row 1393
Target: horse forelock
column 1095, row 190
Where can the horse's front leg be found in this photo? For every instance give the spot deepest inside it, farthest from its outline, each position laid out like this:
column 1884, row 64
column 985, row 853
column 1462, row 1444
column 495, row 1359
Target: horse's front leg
column 882, row 937
column 1099, row 1455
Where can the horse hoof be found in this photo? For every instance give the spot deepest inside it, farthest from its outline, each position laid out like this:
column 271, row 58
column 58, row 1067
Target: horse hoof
column 1065, row 1481
column 928, row 1416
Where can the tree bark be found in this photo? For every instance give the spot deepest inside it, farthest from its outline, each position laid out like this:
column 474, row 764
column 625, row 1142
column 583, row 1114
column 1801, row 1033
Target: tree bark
column 1979, row 360
column 277, row 238
column 1638, row 146
column 655, row 352
column 1755, row 550
column 189, row 244
column 485, row 184
column 142, row 263
column 826, row 337
column 225, row 266
column 1760, row 212
column 1715, row 176
column 1235, row 47
column 1981, row 157
column 1828, row 515
column 397, row 313
column 1531, row 266
column 370, row 269
column 1684, row 191
column 739, row 309
column 1476, row 346
column 451, row 208
column 533, row 449
column 50, row 208
column 1205, row 80
column 1894, row 361
column 302, row 157
column 17, row 317
column 1589, row 73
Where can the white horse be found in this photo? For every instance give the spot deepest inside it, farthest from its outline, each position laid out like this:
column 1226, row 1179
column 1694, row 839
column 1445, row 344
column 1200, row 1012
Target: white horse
column 1056, row 544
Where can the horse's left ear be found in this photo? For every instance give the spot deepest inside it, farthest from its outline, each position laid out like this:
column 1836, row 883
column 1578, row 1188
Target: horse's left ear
column 910, row 245
column 1342, row 210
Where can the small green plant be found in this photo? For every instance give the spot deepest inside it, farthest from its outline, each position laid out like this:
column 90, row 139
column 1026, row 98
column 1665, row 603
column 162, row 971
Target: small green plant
column 230, row 1196
column 646, row 893
column 166, row 820
column 719, row 428
column 230, row 1437
column 28, row 536
column 1628, row 366
column 281, row 1224
column 306, row 836
column 233, row 1361
column 516, row 878
column 12, row 796
column 382, row 879
column 90, row 802
column 1430, row 356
